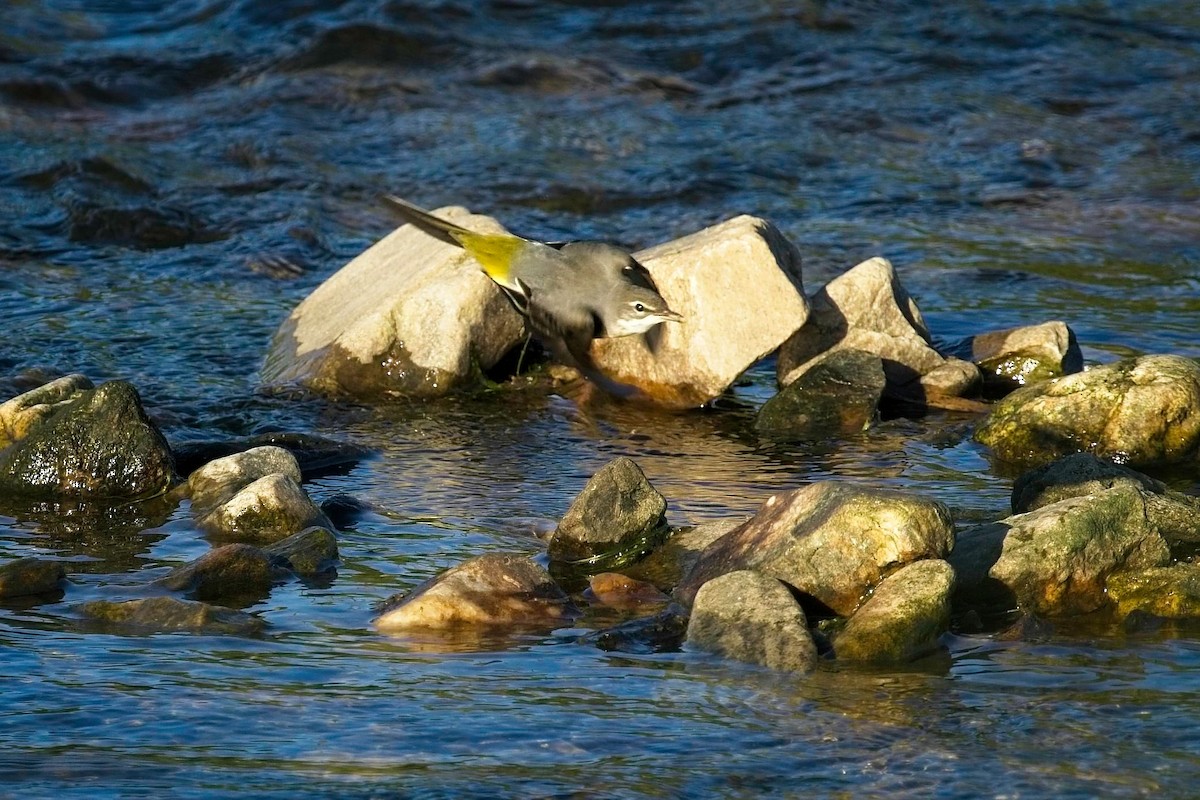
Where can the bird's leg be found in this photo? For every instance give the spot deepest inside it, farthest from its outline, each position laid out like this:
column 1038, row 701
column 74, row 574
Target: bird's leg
column 524, row 347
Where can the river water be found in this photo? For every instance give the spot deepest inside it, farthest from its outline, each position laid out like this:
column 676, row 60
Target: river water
column 175, row 177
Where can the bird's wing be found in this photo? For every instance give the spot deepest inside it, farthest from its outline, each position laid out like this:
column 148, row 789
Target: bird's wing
column 567, row 332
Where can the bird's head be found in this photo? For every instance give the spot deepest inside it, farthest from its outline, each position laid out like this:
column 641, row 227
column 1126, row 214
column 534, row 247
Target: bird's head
column 636, row 309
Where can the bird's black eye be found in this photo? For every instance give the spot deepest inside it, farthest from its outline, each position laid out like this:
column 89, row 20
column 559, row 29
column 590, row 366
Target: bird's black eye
column 638, row 307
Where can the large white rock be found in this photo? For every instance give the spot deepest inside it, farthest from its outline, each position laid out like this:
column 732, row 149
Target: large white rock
column 738, row 286
column 867, row 308
column 410, row 316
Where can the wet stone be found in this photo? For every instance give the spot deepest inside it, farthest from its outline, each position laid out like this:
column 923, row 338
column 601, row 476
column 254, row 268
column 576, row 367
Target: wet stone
column 313, row 551
column 1056, row 561
column 1168, row 592
column 168, row 614
column 268, row 510
column 1140, row 411
column 97, row 444
column 616, row 519
column 314, row 454
column 26, row 410
column 830, row 541
column 1176, row 515
column 1072, row 476
column 866, row 308
column 497, row 589
column 1016, row 357
column 663, row 632
column 749, row 617
column 619, row 591
column 22, row 577
column 219, row 480
column 230, row 571
column 903, row 617
column 837, row 396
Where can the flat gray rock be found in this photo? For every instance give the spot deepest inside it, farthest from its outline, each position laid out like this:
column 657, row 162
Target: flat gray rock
column 749, row 617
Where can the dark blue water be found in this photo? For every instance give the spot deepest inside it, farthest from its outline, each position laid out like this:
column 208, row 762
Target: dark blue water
column 175, row 177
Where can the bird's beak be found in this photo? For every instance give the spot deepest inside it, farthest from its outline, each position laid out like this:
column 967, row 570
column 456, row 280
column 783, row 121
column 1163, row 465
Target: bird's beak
column 670, row 316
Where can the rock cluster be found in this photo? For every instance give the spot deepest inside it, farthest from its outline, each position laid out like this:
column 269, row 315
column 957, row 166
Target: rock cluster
column 69, row 441
column 744, row 590
column 830, row 571
column 415, row 316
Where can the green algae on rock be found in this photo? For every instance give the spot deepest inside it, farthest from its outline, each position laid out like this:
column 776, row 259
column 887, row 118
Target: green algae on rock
column 97, row 443
column 903, row 617
column 1140, row 411
column 831, row 541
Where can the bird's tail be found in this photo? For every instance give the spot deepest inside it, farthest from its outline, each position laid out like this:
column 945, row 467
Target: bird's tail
column 494, row 251
column 435, row 226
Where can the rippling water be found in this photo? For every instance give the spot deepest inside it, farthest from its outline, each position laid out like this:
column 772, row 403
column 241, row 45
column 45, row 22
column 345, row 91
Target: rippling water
column 175, row 177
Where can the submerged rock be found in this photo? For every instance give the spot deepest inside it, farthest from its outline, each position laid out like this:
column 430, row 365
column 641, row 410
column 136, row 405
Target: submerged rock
column 830, row 541
column 1016, row 357
column 619, row 591
column 29, row 576
column 26, row 410
column 165, row 614
column 219, row 480
column 749, row 617
column 99, row 443
column 498, row 589
column 313, row 453
column 231, row 571
column 667, row 564
column 1056, row 561
column 617, row 518
column 903, row 617
column 838, row 396
column 867, row 308
column 267, row 510
column 1140, row 411
column 311, row 552
column 663, row 632
column 726, row 329
column 411, row 315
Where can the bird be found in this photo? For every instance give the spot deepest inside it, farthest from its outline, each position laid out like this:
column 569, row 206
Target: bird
column 570, row 292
